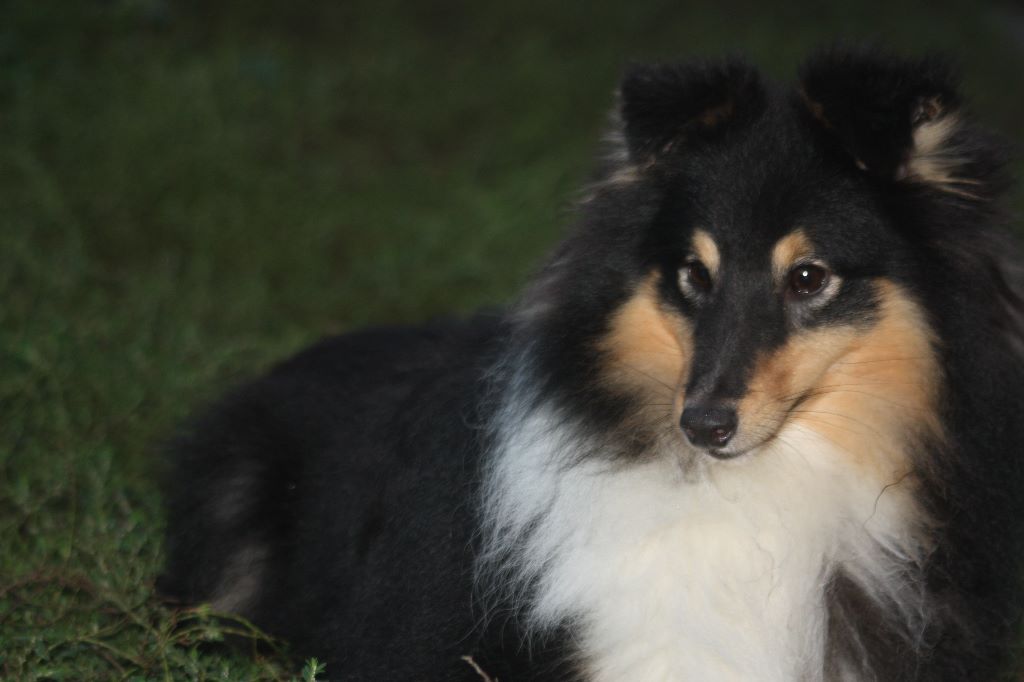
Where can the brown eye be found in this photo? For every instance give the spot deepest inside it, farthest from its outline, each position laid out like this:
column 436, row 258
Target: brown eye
column 698, row 276
column 807, row 280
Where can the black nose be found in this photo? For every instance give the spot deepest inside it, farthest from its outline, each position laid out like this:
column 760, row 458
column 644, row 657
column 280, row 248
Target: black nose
column 708, row 426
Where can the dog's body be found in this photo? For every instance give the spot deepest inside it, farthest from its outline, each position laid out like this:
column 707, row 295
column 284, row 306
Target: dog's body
column 757, row 419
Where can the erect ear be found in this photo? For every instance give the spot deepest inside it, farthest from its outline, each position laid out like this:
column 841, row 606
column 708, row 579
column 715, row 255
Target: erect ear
column 901, row 119
column 664, row 106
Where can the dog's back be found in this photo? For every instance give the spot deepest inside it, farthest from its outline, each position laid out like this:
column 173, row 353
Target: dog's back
column 329, row 501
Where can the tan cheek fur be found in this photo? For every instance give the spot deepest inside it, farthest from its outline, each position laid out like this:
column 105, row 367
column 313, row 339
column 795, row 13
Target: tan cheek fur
column 868, row 392
column 647, row 349
column 779, row 378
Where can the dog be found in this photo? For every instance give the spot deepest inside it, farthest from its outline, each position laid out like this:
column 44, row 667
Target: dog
column 758, row 417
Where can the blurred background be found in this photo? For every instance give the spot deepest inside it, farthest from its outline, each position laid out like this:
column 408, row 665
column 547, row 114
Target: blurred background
column 191, row 189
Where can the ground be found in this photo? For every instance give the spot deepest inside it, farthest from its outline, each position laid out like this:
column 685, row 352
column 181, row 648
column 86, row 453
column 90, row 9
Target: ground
column 190, row 190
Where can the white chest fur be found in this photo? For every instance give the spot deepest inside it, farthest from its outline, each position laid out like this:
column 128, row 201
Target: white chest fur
column 719, row 578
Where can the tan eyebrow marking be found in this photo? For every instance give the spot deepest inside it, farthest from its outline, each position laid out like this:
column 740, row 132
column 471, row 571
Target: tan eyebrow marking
column 788, row 251
column 704, row 248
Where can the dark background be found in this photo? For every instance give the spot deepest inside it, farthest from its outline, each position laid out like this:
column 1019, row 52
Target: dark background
column 189, row 190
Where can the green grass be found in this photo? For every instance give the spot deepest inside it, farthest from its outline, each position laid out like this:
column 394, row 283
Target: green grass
column 189, row 192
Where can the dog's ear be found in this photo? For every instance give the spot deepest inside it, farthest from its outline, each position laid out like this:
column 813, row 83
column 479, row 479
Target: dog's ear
column 901, row 120
column 666, row 106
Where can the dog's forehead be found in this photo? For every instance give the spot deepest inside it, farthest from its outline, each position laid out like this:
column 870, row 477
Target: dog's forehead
column 764, row 189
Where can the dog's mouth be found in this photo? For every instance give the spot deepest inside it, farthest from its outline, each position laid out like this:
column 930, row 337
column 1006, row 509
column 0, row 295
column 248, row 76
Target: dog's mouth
column 741, row 450
column 737, row 448
column 754, row 432
column 726, row 455
column 730, row 454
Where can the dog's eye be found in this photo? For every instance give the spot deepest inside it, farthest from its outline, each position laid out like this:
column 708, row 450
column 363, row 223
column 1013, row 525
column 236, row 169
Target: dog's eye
column 808, row 279
column 698, row 276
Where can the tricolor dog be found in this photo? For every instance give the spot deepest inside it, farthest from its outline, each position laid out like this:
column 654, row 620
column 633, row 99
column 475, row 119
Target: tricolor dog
column 759, row 416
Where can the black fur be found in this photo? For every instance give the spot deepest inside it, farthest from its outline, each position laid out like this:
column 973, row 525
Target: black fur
column 872, row 102
column 348, row 478
column 682, row 103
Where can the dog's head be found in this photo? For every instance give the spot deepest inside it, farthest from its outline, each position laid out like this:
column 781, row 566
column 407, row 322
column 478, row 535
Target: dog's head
column 752, row 257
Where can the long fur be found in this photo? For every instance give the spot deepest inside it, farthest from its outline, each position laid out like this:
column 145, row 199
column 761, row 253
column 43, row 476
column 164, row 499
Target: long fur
column 731, row 579
column 522, row 496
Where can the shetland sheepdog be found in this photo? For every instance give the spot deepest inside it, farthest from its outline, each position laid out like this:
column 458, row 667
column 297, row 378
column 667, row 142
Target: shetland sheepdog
column 760, row 416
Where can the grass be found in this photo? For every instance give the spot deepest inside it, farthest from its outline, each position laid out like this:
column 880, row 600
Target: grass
column 190, row 190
